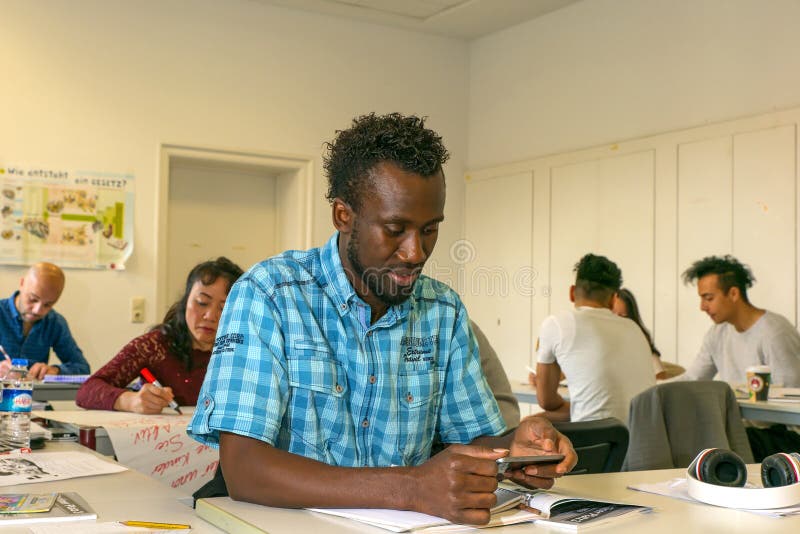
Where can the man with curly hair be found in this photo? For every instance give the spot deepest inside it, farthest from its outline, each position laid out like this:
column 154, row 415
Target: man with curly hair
column 334, row 368
column 742, row 335
column 605, row 358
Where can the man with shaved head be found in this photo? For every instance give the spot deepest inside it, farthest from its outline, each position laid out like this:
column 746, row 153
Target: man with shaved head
column 29, row 327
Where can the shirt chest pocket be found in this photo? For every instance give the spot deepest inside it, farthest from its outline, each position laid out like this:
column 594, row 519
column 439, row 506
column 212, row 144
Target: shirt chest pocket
column 318, row 392
column 420, row 395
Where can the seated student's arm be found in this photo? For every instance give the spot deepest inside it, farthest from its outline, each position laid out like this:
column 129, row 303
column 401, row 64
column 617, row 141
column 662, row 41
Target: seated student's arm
column 105, row 389
column 548, row 371
column 782, row 354
column 39, row 369
column 548, row 375
column 703, row 366
column 457, row 484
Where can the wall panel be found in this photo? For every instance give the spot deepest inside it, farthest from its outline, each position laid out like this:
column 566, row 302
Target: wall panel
column 654, row 205
column 499, row 280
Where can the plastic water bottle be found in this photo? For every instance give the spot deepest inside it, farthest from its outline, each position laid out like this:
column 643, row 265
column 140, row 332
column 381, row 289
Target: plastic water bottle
column 15, row 407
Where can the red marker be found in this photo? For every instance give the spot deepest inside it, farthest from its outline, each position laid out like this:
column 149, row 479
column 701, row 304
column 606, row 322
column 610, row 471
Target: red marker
column 145, row 372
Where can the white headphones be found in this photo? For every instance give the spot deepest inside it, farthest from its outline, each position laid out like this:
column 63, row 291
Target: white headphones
column 718, row 476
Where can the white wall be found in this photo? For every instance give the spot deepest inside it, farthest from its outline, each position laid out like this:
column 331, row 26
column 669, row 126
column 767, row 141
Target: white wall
column 601, row 71
column 101, row 84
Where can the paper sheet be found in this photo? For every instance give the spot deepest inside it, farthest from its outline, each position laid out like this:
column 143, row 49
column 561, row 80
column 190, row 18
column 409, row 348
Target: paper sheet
column 155, row 445
column 49, row 466
column 163, row 450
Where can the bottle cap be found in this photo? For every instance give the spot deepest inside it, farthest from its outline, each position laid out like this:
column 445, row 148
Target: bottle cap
column 19, row 362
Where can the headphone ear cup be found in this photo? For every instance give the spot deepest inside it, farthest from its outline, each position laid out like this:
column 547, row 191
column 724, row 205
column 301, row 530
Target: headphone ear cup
column 781, row 469
column 720, row 467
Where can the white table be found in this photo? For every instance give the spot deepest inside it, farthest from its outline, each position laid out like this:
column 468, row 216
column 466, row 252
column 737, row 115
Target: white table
column 770, row 412
column 117, row 497
column 670, row 516
column 766, row 411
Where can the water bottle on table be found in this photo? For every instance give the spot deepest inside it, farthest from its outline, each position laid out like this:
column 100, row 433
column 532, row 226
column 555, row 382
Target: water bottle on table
column 15, row 407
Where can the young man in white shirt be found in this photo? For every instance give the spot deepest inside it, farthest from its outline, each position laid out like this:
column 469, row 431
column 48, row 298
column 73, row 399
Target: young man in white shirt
column 605, row 358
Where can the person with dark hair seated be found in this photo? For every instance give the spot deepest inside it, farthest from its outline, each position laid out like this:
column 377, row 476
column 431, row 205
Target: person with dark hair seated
column 742, row 335
column 624, row 305
column 605, row 358
column 335, row 367
column 177, row 351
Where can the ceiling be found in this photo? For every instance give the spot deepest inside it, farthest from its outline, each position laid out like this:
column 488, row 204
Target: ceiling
column 462, row 19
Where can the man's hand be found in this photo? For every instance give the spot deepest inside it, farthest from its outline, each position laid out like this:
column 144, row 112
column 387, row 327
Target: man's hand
column 534, row 436
column 5, row 365
column 148, row 400
column 39, row 369
column 532, row 379
column 458, row 484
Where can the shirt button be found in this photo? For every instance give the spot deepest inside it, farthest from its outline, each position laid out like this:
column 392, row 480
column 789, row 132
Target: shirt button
column 365, row 423
column 372, row 379
column 339, row 388
column 343, row 307
column 409, row 397
column 206, row 403
column 369, row 333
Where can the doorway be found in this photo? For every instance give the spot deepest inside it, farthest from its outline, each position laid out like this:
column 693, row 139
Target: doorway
column 213, row 203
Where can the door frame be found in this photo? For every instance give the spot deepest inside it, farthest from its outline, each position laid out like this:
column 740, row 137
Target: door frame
column 293, row 198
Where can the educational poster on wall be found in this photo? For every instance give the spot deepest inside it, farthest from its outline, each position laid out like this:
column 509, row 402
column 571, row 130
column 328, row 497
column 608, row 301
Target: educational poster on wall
column 71, row 218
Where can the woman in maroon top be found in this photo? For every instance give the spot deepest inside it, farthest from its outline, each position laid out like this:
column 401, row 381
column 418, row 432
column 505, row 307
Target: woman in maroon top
column 176, row 351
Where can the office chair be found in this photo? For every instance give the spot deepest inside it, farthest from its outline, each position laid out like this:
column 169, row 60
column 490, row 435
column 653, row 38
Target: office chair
column 601, row 445
column 671, row 423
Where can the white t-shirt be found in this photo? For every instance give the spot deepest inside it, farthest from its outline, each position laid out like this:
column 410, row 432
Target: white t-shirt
column 605, row 358
column 772, row 341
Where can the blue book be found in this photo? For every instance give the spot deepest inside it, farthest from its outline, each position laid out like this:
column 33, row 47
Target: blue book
column 65, row 379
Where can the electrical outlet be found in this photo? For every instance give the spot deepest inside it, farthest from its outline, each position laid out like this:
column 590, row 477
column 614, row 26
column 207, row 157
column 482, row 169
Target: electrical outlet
column 137, row 310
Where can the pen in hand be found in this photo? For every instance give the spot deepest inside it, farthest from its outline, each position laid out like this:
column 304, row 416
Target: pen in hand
column 145, row 372
column 5, row 367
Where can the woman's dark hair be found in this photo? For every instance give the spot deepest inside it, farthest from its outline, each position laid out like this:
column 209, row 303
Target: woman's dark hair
column 633, row 314
column 173, row 326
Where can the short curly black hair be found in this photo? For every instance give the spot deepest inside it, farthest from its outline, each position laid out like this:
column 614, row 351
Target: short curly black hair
column 730, row 271
column 373, row 139
column 597, row 278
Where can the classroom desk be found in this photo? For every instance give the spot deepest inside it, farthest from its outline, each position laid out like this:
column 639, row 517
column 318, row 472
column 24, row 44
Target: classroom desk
column 59, row 391
column 669, row 515
column 118, row 497
column 769, row 412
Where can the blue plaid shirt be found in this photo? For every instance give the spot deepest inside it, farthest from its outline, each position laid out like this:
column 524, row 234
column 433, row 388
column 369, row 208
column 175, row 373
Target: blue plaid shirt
column 296, row 364
column 50, row 331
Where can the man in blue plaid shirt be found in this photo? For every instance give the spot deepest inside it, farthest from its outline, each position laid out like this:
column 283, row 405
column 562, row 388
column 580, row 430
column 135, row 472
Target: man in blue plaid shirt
column 334, row 368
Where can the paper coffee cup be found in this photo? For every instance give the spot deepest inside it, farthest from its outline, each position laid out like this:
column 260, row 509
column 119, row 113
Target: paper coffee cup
column 758, row 380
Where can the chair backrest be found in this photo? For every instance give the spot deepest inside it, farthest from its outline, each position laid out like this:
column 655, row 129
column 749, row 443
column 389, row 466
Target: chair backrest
column 671, row 423
column 601, row 445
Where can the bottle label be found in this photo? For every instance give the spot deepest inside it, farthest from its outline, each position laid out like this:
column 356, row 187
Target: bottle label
column 16, row 400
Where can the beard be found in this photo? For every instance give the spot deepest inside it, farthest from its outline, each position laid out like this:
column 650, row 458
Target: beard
column 377, row 280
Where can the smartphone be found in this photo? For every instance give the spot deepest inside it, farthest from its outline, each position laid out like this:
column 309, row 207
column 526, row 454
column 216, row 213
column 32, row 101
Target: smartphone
column 509, row 463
